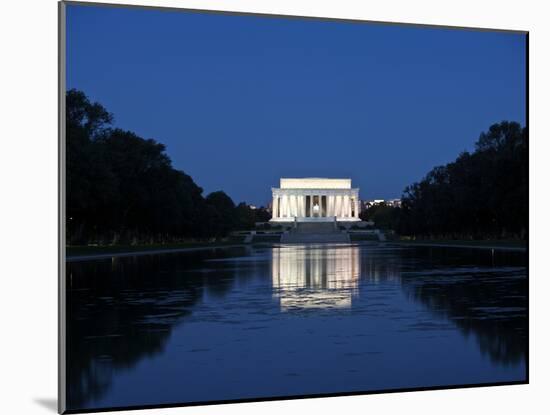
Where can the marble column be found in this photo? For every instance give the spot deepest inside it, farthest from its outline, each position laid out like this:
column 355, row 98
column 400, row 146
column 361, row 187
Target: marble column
column 346, row 209
column 290, row 205
column 274, row 207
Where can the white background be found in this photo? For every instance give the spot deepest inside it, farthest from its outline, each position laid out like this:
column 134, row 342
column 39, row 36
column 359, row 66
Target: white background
column 28, row 203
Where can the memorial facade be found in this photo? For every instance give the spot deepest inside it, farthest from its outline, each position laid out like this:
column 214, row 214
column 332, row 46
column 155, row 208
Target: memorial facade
column 314, row 200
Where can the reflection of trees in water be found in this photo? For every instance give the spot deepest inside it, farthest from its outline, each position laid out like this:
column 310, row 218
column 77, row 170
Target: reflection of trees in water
column 381, row 264
column 121, row 311
column 485, row 302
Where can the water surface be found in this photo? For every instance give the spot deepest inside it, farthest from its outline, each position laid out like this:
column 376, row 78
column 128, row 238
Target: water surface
column 262, row 322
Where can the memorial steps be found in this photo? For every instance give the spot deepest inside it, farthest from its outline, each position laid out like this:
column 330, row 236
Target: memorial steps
column 310, row 233
column 314, row 227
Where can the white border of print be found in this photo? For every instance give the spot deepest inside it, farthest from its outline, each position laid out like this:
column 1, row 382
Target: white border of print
column 28, row 219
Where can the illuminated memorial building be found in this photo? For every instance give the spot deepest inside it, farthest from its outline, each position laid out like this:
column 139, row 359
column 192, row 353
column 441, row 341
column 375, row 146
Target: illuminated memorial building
column 315, row 200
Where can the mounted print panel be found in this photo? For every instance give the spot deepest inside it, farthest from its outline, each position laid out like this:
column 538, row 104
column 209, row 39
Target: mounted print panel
column 260, row 207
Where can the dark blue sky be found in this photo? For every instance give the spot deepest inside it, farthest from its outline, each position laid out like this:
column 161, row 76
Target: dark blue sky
column 240, row 101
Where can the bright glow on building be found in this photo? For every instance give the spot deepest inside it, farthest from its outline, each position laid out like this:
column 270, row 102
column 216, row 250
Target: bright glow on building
column 315, row 183
column 315, row 199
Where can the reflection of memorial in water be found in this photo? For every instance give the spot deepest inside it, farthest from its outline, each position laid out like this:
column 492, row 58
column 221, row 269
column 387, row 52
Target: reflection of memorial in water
column 315, row 277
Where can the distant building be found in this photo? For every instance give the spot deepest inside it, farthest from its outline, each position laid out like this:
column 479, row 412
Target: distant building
column 365, row 204
column 394, row 202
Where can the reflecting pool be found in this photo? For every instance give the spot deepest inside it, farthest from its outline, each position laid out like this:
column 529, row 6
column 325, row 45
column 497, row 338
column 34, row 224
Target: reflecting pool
column 258, row 322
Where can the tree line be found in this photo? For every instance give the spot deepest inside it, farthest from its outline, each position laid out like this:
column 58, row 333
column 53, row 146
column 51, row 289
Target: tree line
column 480, row 195
column 122, row 188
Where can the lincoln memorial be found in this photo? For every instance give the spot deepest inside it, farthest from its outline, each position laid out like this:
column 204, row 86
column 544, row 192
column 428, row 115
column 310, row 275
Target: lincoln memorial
column 315, row 200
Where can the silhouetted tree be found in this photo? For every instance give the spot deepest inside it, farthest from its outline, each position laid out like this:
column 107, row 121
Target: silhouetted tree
column 383, row 216
column 222, row 213
column 123, row 188
column 483, row 194
column 246, row 218
column 261, row 214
